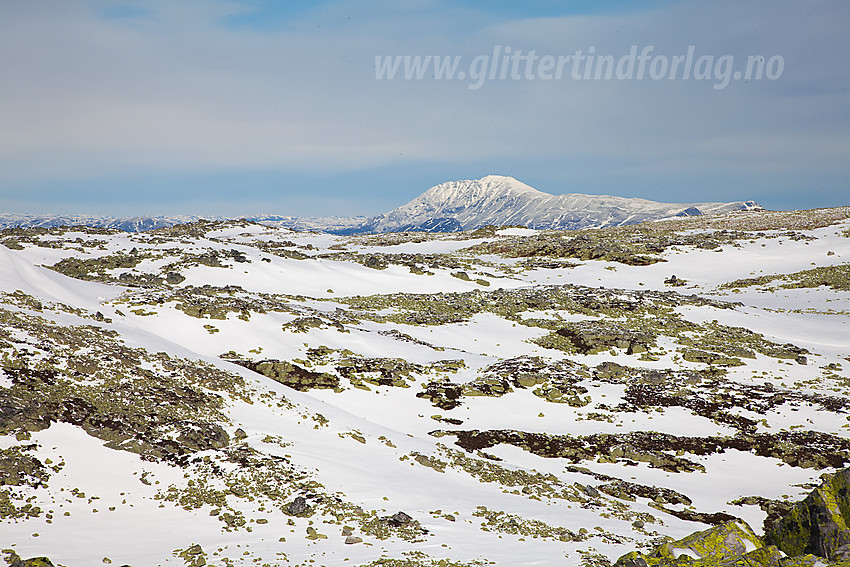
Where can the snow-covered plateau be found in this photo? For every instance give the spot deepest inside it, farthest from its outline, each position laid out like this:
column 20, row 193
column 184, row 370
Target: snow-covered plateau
column 232, row 393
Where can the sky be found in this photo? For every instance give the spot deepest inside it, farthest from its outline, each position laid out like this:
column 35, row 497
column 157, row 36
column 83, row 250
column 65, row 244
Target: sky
column 226, row 107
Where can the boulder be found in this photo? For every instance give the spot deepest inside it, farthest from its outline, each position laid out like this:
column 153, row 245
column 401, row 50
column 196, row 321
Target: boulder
column 819, row 524
column 14, row 560
column 399, row 519
column 298, row 507
column 729, row 544
column 811, row 532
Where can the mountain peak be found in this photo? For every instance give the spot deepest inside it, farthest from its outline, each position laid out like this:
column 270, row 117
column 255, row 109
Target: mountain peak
column 453, row 196
column 503, row 200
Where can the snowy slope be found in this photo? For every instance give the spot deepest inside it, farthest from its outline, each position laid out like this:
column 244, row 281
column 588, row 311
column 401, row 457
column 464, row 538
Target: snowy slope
column 133, row 429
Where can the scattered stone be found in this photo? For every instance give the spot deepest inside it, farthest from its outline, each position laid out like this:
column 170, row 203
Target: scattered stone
column 376, row 262
column 193, row 556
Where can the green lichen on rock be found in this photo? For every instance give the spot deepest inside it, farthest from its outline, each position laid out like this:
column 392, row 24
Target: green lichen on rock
column 707, row 393
column 728, row 544
column 835, row 277
column 820, row 524
column 134, row 400
column 289, row 374
column 556, row 382
column 805, row 449
column 811, row 532
column 193, row 556
column 503, row 522
column 14, row 560
column 585, row 245
column 593, row 337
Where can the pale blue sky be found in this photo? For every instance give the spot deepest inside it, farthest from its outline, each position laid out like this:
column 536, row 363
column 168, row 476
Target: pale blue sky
column 240, row 107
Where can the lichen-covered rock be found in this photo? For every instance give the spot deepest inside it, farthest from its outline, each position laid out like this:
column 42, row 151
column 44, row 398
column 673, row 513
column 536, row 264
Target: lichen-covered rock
column 14, row 560
column 290, row 374
column 17, row 468
column 730, row 544
column 819, row 524
column 174, row 278
column 811, row 532
column 593, row 337
column 444, row 395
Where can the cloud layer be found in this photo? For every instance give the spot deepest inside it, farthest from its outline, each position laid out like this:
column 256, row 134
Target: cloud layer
column 95, row 93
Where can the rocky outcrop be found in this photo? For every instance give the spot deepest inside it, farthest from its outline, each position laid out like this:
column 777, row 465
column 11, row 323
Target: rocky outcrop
column 127, row 419
column 593, row 337
column 820, row 524
column 729, row 544
column 812, row 532
column 805, row 449
column 290, row 374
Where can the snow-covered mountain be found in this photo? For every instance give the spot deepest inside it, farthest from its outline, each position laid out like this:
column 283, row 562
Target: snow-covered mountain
column 500, row 200
column 142, row 223
column 127, row 224
column 448, row 207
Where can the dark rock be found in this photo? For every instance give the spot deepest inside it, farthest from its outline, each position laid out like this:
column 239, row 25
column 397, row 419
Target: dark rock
column 298, row 507
column 201, row 436
column 375, row 262
column 399, row 519
column 445, row 395
column 174, row 278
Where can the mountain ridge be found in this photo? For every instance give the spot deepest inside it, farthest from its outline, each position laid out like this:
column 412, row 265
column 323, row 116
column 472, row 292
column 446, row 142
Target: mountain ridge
column 503, row 200
column 447, row 207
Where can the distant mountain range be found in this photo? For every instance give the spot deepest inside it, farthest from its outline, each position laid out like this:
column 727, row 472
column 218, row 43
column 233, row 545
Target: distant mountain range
column 448, row 207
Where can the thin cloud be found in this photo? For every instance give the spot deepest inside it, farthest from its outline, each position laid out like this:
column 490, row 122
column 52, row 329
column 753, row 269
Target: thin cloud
column 95, row 91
